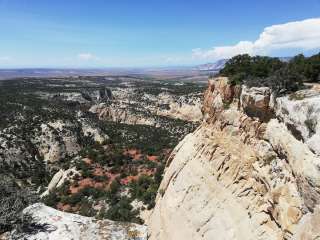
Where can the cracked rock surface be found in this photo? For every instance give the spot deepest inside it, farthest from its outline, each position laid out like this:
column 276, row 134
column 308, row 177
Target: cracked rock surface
column 57, row 225
column 243, row 174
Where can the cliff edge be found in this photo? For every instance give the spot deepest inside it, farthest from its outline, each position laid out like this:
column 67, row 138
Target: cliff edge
column 250, row 171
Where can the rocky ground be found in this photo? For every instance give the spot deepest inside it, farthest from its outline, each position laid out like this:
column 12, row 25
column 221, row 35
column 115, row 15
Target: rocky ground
column 52, row 224
column 250, row 171
column 94, row 146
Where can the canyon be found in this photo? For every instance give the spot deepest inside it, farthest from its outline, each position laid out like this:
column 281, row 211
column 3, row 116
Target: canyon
column 76, row 151
column 250, row 169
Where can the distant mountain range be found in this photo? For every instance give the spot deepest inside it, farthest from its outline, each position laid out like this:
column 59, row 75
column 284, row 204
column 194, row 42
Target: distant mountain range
column 218, row 65
column 213, row 67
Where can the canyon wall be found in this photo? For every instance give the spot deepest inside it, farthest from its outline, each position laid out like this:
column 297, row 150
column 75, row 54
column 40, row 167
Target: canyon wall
column 250, row 171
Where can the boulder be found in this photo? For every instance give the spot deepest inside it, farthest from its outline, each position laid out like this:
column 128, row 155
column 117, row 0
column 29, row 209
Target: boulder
column 255, row 102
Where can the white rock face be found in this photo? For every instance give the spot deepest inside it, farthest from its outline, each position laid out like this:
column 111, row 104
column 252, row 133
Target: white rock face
column 185, row 107
column 57, row 140
column 309, row 228
column 95, row 133
column 189, row 110
column 301, row 159
column 240, row 175
column 301, row 110
column 59, row 179
column 66, row 226
column 202, row 199
column 121, row 114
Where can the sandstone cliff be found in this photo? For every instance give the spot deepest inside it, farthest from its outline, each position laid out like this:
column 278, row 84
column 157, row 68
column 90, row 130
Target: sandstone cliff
column 250, row 171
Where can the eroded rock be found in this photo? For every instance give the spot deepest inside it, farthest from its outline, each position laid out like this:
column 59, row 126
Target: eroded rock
column 56, row 225
column 241, row 175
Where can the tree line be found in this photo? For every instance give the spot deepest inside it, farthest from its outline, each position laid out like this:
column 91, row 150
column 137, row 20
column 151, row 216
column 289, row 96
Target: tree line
column 281, row 76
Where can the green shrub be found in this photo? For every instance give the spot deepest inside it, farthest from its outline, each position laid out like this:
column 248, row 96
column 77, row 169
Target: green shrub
column 145, row 189
column 122, row 211
column 158, row 174
column 72, row 199
column 86, row 209
column 115, row 187
column 13, row 200
column 281, row 76
column 241, row 67
column 51, row 199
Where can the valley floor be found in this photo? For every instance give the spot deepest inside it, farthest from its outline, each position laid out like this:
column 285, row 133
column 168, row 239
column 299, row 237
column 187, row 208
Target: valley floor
column 94, row 146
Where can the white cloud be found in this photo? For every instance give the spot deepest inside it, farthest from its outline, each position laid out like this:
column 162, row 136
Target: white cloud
column 302, row 35
column 87, row 57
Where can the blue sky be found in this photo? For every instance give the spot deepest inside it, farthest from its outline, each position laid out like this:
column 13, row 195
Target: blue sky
column 137, row 33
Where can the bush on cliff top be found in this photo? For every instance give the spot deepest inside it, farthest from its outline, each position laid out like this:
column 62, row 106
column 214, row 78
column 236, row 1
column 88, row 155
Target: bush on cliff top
column 272, row 72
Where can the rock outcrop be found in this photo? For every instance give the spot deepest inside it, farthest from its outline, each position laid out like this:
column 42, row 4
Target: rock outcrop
column 187, row 108
column 57, row 140
column 300, row 111
column 52, row 224
column 130, row 106
column 59, row 179
column 122, row 114
column 244, row 173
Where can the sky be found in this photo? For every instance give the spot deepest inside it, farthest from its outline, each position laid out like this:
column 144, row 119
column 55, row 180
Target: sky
column 148, row 33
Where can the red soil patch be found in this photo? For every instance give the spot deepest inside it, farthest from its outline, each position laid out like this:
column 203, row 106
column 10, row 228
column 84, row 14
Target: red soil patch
column 87, row 182
column 152, row 158
column 129, row 179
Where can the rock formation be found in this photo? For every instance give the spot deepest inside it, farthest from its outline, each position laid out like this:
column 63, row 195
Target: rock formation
column 250, row 171
column 56, row 225
column 130, row 106
column 187, row 108
column 59, row 179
